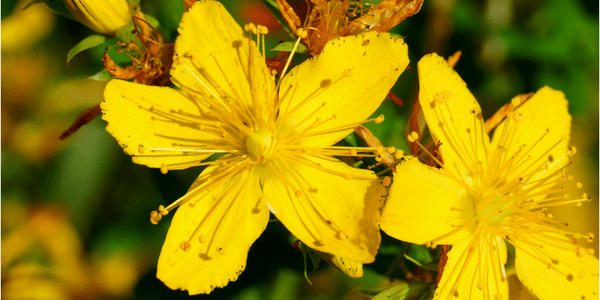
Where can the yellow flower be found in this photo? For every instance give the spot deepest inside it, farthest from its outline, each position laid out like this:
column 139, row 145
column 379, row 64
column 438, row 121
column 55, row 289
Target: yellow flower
column 491, row 192
column 275, row 142
column 102, row 16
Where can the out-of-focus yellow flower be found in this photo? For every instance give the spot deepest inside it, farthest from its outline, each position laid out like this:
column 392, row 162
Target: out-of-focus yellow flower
column 26, row 27
column 490, row 191
column 102, row 16
column 276, row 144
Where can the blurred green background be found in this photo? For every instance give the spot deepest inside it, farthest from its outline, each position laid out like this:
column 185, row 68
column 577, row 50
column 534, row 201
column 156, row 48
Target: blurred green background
column 75, row 213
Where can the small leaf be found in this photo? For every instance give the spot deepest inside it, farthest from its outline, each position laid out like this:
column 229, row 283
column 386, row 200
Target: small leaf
column 87, row 43
column 103, row 75
column 289, row 46
column 405, row 291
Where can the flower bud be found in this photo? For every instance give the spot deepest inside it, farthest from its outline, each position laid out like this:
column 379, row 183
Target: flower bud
column 102, row 16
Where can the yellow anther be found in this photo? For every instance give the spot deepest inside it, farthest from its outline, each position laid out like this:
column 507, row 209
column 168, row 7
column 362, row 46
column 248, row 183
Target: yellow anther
column 516, row 101
column 399, row 154
column 428, row 244
column 378, row 158
column 342, row 236
column 380, row 150
column 480, row 285
column 249, row 27
column 379, row 119
column 390, row 149
column 347, row 73
column 141, row 149
column 414, row 136
column 185, row 246
column 263, row 30
column 550, row 216
column 590, row 251
column 202, row 238
column 221, row 251
column 155, row 217
column 163, row 169
column 387, row 181
column 301, row 33
column 573, row 150
column 498, row 297
column 178, row 59
column 579, row 185
column 517, row 117
column 273, row 72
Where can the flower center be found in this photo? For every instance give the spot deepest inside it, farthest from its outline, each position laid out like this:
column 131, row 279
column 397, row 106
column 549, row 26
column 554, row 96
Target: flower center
column 260, row 144
column 496, row 210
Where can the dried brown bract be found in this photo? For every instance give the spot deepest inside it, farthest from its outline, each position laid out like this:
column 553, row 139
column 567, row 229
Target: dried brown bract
column 152, row 57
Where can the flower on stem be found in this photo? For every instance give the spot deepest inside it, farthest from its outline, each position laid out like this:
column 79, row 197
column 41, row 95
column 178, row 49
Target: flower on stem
column 102, row 16
column 487, row 193
column 275, row 142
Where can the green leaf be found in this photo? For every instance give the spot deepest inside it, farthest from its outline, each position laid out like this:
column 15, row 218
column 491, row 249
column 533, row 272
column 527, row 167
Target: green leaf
column 103, row 75
column 87, row 43
column 274, row 9
column 57, row 6
column 289, row 46
column 405, row 291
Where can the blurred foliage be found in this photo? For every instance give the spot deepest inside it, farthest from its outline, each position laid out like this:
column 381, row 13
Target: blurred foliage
column 75, row 212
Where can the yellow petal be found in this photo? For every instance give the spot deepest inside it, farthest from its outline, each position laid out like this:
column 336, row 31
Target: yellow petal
column 453, row 116
column 318, row 91
column 475, row 270
column 424, row 204
column 325, row 210
column 574, row 274
column 208, row 241
column 143, row 118
column 546, row 110
column 214, row 59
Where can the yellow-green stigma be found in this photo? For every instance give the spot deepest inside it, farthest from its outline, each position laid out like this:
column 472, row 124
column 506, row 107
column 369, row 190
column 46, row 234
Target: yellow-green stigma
column 260, row 144
column 496, row 210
